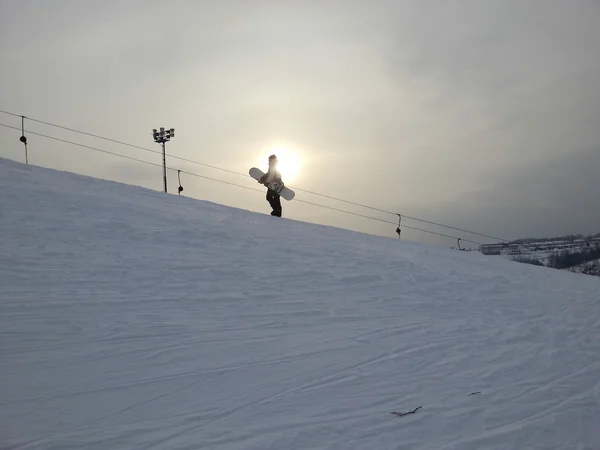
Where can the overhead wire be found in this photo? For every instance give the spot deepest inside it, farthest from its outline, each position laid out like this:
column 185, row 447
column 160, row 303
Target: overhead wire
column 234, row 184
column 131, row 158
column 127, row 144
column 85, row 146
column 396, row 214
column 361, row 205
column 386, row 221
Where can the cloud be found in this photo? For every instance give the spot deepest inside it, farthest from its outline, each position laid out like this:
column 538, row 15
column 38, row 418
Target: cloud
column 553, row 197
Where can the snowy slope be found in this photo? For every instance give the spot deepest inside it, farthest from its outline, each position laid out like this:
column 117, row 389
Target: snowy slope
column 130, row 319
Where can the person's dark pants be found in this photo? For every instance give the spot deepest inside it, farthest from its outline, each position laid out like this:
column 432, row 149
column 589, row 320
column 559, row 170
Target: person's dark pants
column 274, row 200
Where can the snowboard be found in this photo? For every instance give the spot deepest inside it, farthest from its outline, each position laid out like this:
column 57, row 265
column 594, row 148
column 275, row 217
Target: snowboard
column 285, row 192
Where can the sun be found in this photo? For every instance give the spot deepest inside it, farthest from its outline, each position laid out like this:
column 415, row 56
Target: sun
column 289, row 162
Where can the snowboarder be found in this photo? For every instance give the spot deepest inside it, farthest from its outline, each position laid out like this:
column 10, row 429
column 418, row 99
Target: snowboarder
column 272, row 176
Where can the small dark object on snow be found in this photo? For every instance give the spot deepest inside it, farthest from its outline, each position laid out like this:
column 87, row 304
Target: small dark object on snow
column 399, row 414
column 474, row 393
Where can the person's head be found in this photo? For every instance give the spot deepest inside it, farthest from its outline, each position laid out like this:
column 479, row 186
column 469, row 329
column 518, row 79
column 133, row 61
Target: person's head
column 272, row 160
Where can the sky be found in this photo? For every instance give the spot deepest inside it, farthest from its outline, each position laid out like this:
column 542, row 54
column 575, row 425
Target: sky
column 479, row 114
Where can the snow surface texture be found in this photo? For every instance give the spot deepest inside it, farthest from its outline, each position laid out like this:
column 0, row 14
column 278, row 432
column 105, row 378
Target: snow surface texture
column 132, row 319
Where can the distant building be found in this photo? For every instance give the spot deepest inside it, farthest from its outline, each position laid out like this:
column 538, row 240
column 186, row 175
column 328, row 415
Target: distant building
column 492, row 249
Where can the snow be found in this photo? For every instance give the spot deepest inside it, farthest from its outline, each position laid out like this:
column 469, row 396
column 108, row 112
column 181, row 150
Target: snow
column 132, row 319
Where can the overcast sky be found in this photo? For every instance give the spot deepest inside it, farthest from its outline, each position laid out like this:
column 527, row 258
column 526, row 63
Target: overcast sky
column 482, row 114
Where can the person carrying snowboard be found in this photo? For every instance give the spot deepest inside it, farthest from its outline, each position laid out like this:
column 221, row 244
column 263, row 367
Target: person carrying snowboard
column 272, row 176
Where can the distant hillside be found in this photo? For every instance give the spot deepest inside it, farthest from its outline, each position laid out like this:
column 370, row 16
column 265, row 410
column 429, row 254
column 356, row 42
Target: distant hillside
column 562, row 252
column 584, row 258
column 567, row 238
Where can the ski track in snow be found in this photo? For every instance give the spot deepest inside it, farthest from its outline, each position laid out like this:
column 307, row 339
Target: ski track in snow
column 130, row 319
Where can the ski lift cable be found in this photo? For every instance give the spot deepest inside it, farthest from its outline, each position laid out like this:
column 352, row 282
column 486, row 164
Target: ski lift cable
column 233, row 184
column 307, row 191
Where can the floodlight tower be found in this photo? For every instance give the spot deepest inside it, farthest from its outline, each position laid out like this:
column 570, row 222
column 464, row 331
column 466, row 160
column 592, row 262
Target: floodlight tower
column 161, row 137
